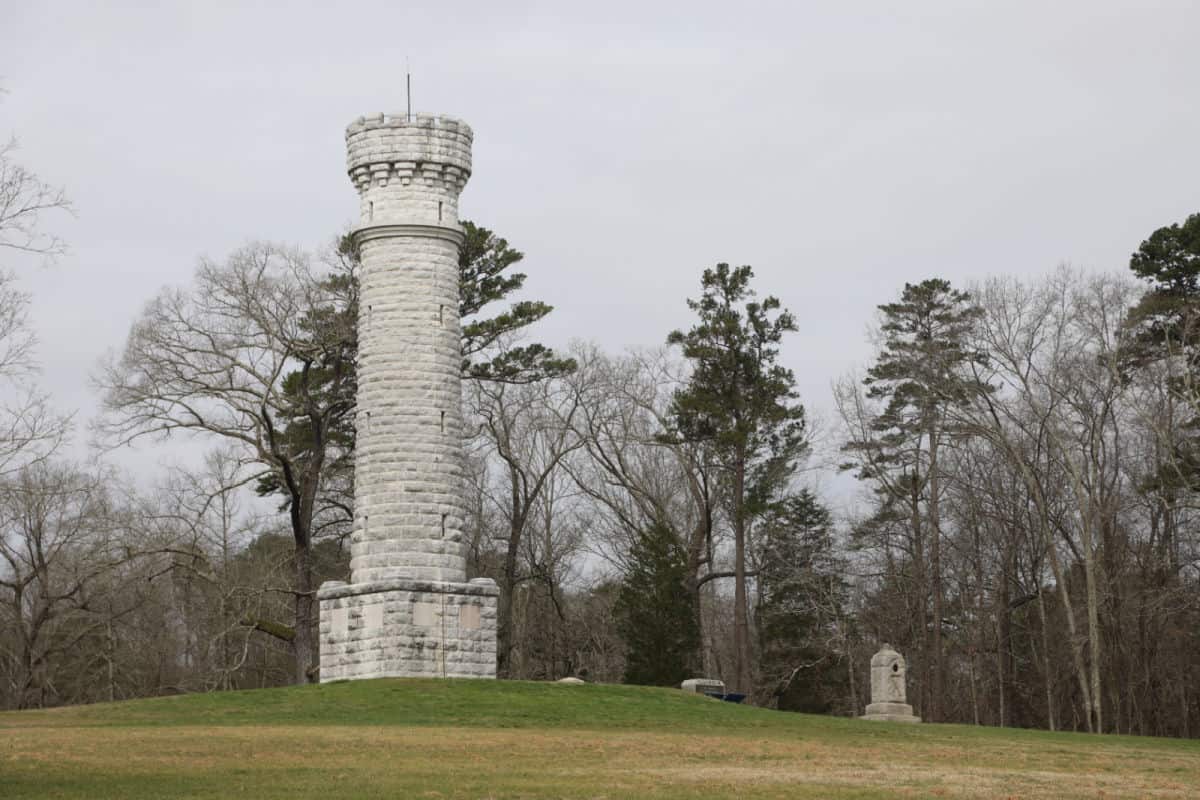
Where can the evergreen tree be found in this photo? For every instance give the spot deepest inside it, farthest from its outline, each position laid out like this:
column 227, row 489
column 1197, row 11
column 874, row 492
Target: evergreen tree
column 1166, row 333
column 743, row 404
column 922, row 371
column 484, row 263
column 1170, row 260
column 317, row 430
column 1166, row 323
column 800, row 613
column 656, row 615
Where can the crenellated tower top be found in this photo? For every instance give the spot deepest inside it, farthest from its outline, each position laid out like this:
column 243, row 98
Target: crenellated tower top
column 427, row 154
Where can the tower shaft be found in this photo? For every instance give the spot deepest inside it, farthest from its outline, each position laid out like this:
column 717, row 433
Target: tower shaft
column 408, row 496
column 408, row 609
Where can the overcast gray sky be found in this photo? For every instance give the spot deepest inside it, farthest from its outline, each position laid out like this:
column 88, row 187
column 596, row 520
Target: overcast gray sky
column 839, row 148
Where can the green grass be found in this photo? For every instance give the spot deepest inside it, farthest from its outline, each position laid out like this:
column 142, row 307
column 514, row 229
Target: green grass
column 486, row 739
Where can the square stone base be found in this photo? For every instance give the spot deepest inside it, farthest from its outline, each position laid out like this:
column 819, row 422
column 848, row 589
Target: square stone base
column 403, row 628
column 890, row 712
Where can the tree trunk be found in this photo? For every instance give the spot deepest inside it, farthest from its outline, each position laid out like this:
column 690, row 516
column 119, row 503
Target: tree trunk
column 1093, row 603
column 304, row 646
column 692, row 587
column 850, row 670
column 508, row 584
column 1060, row 582
column 26, row 677
column 1004, row 655
column 696, row 552
column 1064, row 595
column 741, row 645
column 110, row 646
column 1089, row 522
column 920, row 598
column 935, row 579
column 302, row 488
column 1051, row 715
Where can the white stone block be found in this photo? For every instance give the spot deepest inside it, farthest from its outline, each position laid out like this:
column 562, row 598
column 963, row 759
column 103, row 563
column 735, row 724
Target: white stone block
column 468, row 617
column 373, row 619
column 424, row 614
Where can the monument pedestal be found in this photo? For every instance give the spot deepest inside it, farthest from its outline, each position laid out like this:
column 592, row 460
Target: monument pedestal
column 406, row 628
column 891, row 712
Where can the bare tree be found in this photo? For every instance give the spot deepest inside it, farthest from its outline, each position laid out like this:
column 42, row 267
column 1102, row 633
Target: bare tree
column 24, row 201
column 60, row 543
column 528, row 428
column 29, row 429
column 205, row 531
column 258, row 341
column 1055, row 352
column 636, row 479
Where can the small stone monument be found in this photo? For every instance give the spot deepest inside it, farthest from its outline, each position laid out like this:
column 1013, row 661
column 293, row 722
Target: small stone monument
column 888, row 673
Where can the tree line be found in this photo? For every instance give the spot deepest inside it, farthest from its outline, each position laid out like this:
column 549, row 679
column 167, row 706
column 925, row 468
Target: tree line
column 1025, row 455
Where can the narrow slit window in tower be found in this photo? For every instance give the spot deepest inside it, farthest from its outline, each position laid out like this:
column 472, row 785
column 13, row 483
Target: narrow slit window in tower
column 444, row 525
column 443, row 422
column 441, row 315
column 371, row 210
column 439, row 210
column 368, row 422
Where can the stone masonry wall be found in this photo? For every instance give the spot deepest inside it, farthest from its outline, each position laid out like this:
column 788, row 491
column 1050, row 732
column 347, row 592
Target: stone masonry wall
column 405, row 628
column 409, row 507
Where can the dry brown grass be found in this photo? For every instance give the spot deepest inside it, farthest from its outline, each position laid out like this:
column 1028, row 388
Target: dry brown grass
column 455, row 762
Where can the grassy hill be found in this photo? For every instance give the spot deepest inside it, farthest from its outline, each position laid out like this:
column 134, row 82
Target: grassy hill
column 485, row 739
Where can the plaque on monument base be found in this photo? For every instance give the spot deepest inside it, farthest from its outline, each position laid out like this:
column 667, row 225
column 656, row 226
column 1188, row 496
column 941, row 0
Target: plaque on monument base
column 404, row 628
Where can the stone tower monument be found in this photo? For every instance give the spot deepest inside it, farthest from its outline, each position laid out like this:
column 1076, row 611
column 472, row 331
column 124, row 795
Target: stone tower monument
column 408, row 609
column 888, row 694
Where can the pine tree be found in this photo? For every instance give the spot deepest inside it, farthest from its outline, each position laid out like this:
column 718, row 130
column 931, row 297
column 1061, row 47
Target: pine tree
column 485, row 277
column 656, row 615
column 1170, row 260
column 1166, row 321
column 922, row 371
column 743, row 405
column 800, row 613
column 1166, row 334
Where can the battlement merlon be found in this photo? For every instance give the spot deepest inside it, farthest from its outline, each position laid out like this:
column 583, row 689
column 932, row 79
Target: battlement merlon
column 401, row 120
column 381, row 146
